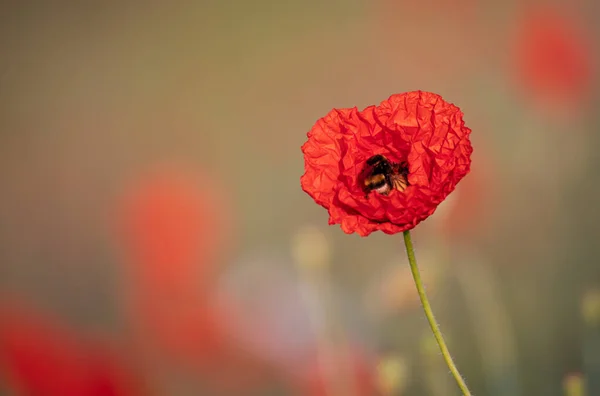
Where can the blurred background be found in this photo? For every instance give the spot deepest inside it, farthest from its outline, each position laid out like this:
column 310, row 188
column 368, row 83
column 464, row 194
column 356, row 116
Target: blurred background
column 154, row 239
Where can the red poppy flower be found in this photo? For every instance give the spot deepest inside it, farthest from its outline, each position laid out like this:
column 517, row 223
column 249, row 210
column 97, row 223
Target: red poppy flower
column 423, row 137
column 174, row 223
column 42, row 357
column 552, row 56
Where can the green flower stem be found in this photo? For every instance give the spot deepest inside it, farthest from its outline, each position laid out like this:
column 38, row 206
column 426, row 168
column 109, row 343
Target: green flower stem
column 429, row 314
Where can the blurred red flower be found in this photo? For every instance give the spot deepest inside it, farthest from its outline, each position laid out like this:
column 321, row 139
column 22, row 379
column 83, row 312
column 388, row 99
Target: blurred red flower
column 553, row 57
column 418, row 128
column 174, row 224
column 43, row 358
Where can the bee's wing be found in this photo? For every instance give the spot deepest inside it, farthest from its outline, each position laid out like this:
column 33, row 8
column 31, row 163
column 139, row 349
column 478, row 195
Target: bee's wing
column 400, row 183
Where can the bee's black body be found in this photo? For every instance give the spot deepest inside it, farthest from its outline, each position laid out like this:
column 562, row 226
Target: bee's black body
column 381, row 175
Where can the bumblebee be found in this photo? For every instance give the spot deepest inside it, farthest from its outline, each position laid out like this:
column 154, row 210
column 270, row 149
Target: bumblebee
column 381, row 175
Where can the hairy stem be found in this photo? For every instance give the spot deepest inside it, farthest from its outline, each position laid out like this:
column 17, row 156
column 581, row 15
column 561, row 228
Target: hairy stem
column 430, row 317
